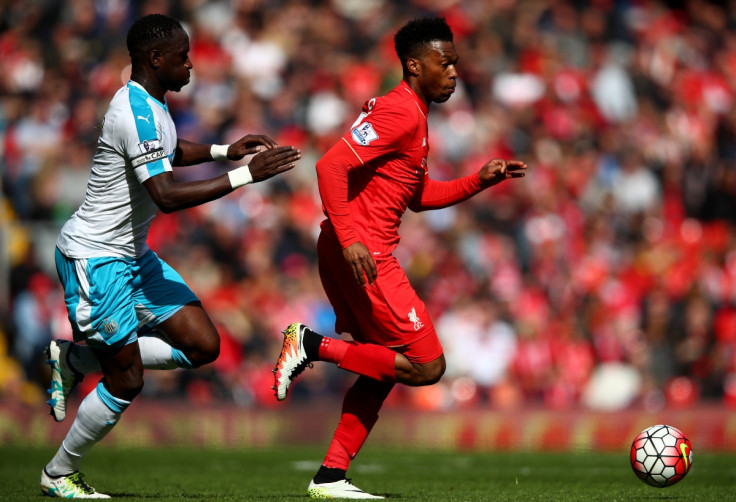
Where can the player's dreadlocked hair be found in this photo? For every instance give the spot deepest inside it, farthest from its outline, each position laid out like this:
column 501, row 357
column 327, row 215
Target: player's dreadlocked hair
column 412, row 38
column 150, row 30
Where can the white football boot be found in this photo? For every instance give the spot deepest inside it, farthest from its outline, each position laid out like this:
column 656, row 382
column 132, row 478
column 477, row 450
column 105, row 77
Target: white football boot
column 69, row 487
column 342, row 489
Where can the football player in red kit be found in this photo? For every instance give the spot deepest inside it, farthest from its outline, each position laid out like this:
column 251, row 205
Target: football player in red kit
column 367, row 180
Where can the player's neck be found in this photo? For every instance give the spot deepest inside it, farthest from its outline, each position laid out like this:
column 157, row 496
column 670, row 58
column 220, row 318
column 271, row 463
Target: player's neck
column 152, row 87
column 412, row 84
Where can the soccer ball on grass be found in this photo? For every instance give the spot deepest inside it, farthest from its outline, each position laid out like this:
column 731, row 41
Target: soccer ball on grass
column 661, row 455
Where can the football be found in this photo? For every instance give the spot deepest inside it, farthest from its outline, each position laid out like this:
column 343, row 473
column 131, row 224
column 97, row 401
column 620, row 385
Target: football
column 661, row 455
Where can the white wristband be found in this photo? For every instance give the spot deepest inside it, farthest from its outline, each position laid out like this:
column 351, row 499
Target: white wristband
column 219, row 152
column 240, row 176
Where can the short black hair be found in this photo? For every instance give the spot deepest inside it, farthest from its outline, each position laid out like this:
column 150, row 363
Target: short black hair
column 411, row 40
column 148, row 31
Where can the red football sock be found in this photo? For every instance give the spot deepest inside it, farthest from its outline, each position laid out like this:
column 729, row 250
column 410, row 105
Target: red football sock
column 332, row 350
column 367, row 359
column 359, row 415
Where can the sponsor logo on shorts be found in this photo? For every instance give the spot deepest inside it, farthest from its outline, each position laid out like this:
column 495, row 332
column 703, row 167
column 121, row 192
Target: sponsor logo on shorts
column 413, row 317
column 109, row 326
column 364, row 134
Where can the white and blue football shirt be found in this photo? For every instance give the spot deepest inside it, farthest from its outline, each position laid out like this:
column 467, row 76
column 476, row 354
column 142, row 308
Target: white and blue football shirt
column 137, row 141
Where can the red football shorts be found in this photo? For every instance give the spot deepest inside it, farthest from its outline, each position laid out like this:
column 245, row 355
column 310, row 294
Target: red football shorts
column 387, row 312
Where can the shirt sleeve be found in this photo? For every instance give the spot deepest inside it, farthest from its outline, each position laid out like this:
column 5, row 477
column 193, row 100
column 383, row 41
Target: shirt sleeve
column 378, row 132
column 332, row 180
column 438, row 194
column 141, row 140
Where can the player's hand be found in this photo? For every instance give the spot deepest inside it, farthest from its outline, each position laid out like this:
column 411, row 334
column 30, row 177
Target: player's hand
column 250, row 145
column 497, row 170
column 272, row 162
column 360, row 261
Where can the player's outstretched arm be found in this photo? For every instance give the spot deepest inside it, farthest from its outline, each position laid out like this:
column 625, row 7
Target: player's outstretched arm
column 433, row 194
column 171, row 196
column 188, row 153
column 497, row 170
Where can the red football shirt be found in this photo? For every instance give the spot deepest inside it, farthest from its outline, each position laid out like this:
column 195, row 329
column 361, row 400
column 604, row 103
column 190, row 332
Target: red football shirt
column 378, row 169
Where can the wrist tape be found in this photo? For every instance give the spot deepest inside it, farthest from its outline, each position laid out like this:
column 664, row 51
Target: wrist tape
column 219, row 152
column 240, row 176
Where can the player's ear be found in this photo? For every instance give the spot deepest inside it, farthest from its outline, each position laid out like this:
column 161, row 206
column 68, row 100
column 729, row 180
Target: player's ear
column 413, row 66
column 154, row 58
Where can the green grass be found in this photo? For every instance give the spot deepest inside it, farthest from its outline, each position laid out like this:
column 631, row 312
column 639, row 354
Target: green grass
column 282, row 475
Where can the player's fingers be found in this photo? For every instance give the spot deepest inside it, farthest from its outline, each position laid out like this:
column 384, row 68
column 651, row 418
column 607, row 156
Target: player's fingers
column 268, row 142
column 358, row 274
column 284, row 153
column 369, row 266
column 515, row 165
column 275, row 159
column 254, row 150
column 285, row 164
column 261, row 139
column 293, row 156
column 282, row 160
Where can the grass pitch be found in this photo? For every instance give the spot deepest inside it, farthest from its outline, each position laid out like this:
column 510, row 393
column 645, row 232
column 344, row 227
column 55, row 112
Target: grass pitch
column 283, row 475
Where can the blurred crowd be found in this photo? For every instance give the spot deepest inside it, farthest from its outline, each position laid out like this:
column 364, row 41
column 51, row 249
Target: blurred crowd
column 604, row 279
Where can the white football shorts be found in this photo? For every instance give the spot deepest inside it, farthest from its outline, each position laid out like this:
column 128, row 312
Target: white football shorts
column 108, row 299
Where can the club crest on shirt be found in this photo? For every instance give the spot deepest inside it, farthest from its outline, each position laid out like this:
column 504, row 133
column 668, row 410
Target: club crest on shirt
column 413, row 317
column 364, row 133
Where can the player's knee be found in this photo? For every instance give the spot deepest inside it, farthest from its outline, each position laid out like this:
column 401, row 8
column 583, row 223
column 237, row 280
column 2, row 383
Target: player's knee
column 435, row 374
column 207, row 351
column 430, row 373
column 135, row 389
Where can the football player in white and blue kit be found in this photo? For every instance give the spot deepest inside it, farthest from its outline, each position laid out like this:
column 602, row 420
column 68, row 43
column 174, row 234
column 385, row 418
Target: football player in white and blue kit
column 114, row 285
